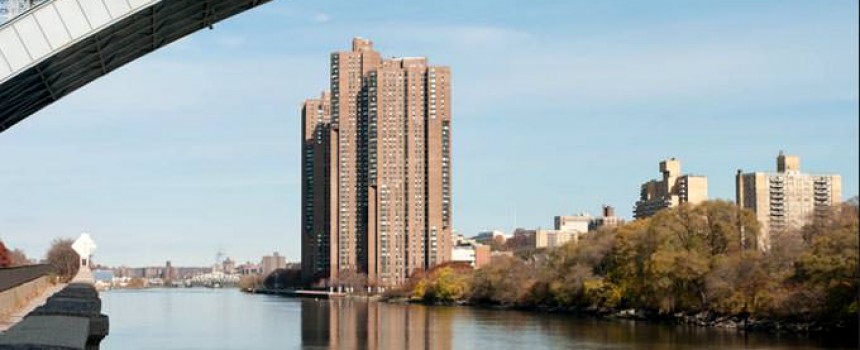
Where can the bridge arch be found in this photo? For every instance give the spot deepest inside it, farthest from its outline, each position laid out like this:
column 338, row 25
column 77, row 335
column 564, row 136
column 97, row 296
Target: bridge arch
column 59, row 46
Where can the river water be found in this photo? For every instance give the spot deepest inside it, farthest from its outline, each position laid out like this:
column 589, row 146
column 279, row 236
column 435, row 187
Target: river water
column 210, row 319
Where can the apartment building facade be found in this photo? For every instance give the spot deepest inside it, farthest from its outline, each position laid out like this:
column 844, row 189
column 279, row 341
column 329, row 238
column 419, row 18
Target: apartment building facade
column 786, row 199
column 672, row 190
column 377, row 181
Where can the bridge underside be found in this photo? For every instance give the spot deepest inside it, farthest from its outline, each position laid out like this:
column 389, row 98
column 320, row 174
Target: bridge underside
column 98, row 54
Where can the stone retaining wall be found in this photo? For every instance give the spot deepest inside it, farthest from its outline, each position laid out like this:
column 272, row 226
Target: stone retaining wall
column 14, row 299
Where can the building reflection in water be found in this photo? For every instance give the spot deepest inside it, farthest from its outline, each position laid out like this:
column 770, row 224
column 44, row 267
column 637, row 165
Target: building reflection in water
column 352, row 324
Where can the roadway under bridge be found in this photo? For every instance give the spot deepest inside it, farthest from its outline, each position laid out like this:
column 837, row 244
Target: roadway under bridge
column 59, row 46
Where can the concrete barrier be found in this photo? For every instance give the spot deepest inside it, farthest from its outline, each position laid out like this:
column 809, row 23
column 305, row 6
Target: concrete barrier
column 19, row 285
column 47, row 332
column 12, row 300
column 70, row 319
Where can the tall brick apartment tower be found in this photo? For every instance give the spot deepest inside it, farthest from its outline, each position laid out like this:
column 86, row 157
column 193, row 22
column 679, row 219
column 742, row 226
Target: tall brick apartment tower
column 376, row 189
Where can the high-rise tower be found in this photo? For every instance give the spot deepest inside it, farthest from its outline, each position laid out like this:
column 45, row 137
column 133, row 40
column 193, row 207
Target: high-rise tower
column 317, row 190
column 381, row 203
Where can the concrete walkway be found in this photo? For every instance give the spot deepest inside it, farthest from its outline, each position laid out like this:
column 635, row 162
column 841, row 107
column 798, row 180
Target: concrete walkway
column 85, row 275
column 70, row 318
column 19, row 315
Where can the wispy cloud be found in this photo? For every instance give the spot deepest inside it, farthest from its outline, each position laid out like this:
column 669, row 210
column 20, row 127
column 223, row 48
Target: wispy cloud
column 322, row 18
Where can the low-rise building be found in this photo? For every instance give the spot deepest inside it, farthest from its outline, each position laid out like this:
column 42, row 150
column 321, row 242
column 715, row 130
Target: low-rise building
column 608, row 220
column 170, row 272
column 554, row 238
column 249, row 268
column 672, row 190
column 271, row 263
column 573, row 223
column 476, row 255
column 537, row 239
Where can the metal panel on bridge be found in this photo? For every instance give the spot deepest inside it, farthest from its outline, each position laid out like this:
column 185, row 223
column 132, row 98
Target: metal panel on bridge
column 61, row 45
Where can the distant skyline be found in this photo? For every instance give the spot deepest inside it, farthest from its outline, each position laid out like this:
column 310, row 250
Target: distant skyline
column 558, row 107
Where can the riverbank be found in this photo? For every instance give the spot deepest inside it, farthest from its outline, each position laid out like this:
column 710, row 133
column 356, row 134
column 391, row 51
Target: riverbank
column 704, row 319
column 657, row 269
column 313, row 294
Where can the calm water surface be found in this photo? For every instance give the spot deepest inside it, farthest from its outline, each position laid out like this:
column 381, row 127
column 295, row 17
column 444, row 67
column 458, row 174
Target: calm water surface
column 191, row 319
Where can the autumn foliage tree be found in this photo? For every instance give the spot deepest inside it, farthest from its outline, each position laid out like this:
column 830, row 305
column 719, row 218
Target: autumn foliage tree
column 19, row 258
column 688, row 259
column 826, row 273
column 250, row 282
column 5, row 257
column 506, row 280
column 444, row 283
column 12, row 258
column 683, row 258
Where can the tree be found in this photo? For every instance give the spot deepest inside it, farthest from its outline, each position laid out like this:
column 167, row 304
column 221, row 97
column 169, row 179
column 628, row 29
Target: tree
column 64, row 259
column 689, row 259
column 573, row 274
column 12, row 258
column 5, row 257
column 506, row 280
column 668, row 262
column 19, row 258
column 740, row 283
column 249, row 282
column 827, row 271
column 283, row 279
column 443, row 285
column 352, row 281
column 632, row 249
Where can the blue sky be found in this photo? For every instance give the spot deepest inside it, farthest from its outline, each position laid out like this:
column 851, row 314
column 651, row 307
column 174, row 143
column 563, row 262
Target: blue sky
column 559, row 107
